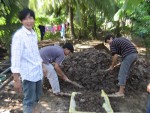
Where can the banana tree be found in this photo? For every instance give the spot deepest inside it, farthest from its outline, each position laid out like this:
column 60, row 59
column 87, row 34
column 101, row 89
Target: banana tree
column 9, row 23
column 125, row 9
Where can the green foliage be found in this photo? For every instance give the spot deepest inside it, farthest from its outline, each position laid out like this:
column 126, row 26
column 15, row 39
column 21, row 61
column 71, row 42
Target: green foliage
column 132, row 4
column 52, row 36
column 6, row 34
column 141, row 27
column 8, row 20
column 126, row 7
column 141, row 20
column 2, row 21
column 87, row 15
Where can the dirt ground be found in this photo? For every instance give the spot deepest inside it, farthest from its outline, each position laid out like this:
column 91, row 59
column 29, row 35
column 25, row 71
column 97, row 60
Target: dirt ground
column 86, row 68
column 85, row 99
column 10, row 102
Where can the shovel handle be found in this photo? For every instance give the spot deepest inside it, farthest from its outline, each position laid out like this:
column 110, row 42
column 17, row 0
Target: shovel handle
column 74, row 83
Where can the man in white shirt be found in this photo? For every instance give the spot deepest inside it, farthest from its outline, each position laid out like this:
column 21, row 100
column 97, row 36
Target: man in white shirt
column 26, row 62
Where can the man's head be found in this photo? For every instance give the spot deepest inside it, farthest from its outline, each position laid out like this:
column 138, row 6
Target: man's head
column 27, row 17
column 109, row 38
column 68, row 47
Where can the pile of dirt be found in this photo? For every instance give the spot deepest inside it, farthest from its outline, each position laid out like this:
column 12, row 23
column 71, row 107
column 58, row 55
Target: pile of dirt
column 91, row 102
column 87, row 68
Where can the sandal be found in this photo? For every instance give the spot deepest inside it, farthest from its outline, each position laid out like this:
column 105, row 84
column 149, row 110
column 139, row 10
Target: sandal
column 117, row 94
column 58, row 94
column 62, row 94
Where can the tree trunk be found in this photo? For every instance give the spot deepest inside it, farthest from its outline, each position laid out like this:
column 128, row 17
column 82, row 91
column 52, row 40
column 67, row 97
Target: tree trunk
column 84, row 23
column 72, row 34
column 94, row 26
column 117, row 30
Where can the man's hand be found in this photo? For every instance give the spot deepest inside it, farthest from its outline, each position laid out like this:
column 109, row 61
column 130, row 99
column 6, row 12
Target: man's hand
column 65, row 78
column 117, row 65
column 109, row 69
column 17, row 83
column 148, row 87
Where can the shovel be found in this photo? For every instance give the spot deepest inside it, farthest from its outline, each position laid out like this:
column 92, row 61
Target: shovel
column 74, row 83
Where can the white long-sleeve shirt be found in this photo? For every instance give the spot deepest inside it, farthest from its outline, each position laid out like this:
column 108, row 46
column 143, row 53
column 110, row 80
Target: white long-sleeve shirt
column 25, row 57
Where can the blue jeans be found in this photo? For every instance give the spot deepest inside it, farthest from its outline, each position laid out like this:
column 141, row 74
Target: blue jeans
column 148, row 104
column 32, row 92
column 125, row 67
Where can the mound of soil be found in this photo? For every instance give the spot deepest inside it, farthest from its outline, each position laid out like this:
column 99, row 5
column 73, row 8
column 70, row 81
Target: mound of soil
column 86, row 68
column 89, row 102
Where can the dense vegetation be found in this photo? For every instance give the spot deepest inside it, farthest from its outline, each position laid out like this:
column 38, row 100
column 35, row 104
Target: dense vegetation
column 89, row 19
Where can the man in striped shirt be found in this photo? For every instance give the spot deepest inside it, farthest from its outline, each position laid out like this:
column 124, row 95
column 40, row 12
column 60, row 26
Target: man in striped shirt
column 128, row 52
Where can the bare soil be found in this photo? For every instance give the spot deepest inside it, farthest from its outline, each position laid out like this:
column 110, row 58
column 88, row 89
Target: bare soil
column 86, row 68
column 89, row 102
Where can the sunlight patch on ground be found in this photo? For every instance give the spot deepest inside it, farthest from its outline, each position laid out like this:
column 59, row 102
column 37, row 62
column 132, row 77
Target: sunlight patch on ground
column 141, row 50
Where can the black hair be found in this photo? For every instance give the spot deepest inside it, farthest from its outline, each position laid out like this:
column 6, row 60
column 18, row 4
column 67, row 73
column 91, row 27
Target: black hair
column 23, row 13
column 108, row 37
column 69, row 46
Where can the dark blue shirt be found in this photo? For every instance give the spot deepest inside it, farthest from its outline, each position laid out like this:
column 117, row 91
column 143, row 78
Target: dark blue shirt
column 122, row 47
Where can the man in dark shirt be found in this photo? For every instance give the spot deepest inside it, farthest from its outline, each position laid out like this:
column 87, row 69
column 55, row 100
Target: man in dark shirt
column 128, row 52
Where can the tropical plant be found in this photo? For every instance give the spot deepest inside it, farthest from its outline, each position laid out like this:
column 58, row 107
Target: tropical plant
column 9, row 23
column 141, row 26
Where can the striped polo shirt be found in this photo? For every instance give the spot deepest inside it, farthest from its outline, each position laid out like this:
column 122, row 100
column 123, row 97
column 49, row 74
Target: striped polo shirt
column 122, row 47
